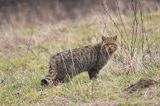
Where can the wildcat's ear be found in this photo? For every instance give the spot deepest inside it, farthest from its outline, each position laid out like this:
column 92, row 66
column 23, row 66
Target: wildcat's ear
column 114, row 38
column 103, row 38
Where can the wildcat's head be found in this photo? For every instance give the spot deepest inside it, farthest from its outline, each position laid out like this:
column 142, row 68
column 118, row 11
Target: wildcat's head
column 109, row 45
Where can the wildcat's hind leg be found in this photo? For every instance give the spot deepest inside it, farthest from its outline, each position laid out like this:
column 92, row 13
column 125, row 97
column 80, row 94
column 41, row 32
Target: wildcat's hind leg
column 93, row 73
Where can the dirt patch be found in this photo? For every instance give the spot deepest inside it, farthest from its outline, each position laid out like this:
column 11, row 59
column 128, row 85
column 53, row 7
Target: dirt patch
column 141, row 84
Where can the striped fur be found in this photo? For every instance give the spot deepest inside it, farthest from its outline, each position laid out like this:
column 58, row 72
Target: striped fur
column 92, row 58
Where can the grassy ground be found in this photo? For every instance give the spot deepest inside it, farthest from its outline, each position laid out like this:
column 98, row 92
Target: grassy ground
column 25, row 53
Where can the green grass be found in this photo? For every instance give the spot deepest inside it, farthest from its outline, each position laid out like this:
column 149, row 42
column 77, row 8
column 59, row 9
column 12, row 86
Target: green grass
column 22, row 72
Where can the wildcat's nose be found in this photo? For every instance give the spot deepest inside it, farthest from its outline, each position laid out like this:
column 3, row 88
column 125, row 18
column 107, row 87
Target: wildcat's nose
column 44, row 82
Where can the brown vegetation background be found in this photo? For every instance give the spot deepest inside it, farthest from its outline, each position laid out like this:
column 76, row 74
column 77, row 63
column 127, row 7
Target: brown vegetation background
column 27, row 12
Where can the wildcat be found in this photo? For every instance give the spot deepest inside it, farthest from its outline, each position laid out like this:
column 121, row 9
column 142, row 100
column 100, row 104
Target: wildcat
column 92, row 58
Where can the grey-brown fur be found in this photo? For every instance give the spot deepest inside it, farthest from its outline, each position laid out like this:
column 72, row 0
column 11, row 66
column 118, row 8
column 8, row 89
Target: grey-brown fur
column 92, row 58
